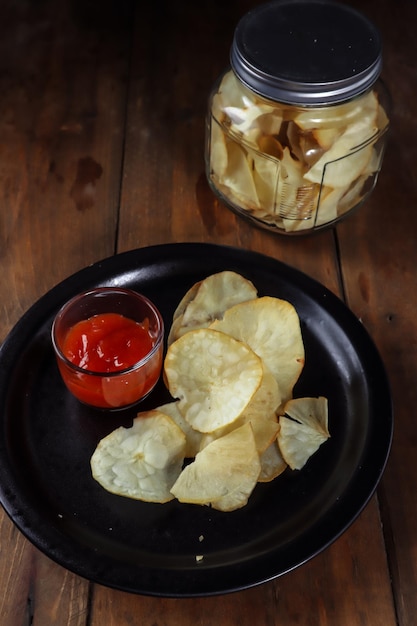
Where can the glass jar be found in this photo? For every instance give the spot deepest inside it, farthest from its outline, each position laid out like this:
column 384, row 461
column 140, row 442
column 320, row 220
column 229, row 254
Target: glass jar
column 296, row 126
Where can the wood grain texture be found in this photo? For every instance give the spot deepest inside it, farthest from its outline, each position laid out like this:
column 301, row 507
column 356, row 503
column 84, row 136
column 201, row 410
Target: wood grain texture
column 63, row 77
column 15, row 574
column 165, row 195
column 102, row 121
column 57, row 595
column 378, row 248
column 63, row 88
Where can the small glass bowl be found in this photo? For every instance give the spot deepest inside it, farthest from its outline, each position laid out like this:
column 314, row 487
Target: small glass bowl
column 115, row 389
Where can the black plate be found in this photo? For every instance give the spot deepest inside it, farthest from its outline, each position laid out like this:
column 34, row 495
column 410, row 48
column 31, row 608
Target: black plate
column 47, row 439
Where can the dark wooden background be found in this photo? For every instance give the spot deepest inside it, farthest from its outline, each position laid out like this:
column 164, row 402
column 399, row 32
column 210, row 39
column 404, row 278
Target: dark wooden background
column 102, row 107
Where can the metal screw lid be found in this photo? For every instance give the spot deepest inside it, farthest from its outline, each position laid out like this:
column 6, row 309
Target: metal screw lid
column 306, row 52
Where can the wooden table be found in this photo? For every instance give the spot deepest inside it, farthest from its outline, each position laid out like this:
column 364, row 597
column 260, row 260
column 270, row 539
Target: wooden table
column 102, row 111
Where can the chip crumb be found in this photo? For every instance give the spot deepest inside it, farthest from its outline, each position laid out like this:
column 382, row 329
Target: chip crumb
column 201, row 538
column 199, row 558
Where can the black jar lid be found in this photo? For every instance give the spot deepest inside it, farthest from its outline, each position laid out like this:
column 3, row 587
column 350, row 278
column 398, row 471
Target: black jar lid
column 306, row 52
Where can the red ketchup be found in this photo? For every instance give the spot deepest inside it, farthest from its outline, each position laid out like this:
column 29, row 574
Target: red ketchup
column 106, row 344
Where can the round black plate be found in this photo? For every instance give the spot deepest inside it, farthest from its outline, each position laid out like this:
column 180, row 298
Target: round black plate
column 47, row 439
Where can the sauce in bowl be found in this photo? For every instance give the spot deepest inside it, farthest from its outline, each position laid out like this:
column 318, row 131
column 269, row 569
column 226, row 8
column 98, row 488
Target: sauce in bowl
column 108, row 359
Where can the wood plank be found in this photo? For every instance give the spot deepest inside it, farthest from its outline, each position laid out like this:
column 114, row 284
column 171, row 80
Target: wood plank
column 62, row 89
column 15, row 572
column 345, row 585
column 35, row 590
column 63, row 69
column 57, row 595
column 378, row 248
column 390, row 317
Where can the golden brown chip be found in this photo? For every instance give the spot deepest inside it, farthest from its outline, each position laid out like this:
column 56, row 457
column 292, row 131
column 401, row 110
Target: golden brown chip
column 230, row 381
column 186, row 299
column 303, row 429
column 274, row 164
column 208, row 299
column 271, row 327
column 350, row 153
column 141, row 462
column 238, row 177
column 337, row 116
column 223, row 474
column 264, row 430
column 213, row 375
column 260, row 412
column 272, row 463
column 265, row 402
column 265, row 174
column 192, row 437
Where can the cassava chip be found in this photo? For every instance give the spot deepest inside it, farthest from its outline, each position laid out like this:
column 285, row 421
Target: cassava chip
column 273, row 163
column 338, row 116
column 260, row 412
column 186, row 299
column 349, row 154
column 266, row 400
column 224, row 474
column 303, row 429
column 213, row 376
column 264, row 430
column 208, row 299
column 238, row 178
column 271, row 327
column 272, row 463
column 192, row 437
column 141, row 462
column 309, row 411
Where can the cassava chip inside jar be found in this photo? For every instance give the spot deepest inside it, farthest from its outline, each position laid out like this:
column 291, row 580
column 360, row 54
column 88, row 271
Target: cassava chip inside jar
column 213, row 375
column 303, row 428
column 141, row 462
column 224, row 474
column 276, row 163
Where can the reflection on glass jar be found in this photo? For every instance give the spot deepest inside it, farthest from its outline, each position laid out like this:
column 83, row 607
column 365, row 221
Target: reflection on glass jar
column 290, row 167
column 295, row 166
